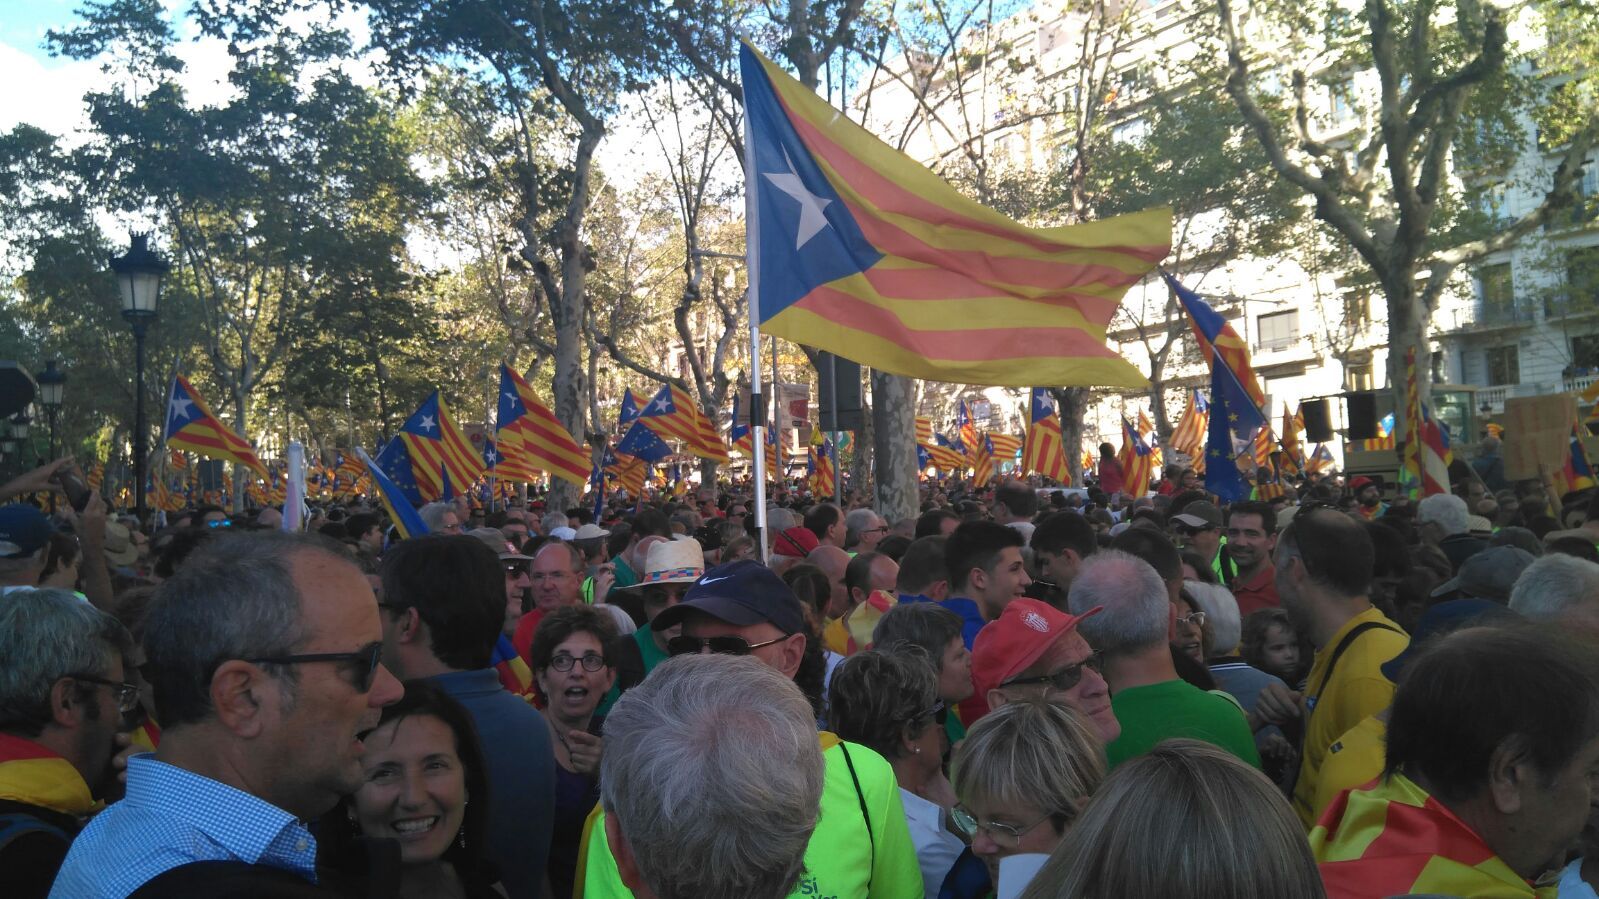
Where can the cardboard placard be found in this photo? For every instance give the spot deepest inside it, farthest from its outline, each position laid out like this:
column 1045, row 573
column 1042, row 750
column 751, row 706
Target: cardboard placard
column 1537, row 431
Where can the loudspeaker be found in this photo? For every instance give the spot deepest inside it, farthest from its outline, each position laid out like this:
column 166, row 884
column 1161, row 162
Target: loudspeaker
column 1362, row 415
column 1318, row 421
column 838, row 381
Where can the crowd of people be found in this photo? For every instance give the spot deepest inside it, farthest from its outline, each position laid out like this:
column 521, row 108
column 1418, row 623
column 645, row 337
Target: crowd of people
column 1336, row 692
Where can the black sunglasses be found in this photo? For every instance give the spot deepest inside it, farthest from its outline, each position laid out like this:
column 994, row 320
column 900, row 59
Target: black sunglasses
column 1064, row 679
column 516, row 568
column 683, row 645
column 368, row 657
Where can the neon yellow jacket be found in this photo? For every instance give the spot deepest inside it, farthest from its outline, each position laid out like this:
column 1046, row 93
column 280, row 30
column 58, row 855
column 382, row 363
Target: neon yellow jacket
column 839, row 862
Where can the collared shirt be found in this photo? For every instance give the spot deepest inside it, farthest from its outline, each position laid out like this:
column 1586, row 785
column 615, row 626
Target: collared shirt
column 1258, row 592
column 171, row 817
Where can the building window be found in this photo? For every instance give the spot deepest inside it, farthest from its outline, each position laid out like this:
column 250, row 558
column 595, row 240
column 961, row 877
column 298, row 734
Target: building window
column 1585, row 352
column 1357, row 376
column 1342, row 103
column 1503, row 364
column 1357, row 308
column 1279, row 330
column 1582, row 278
column 1496, row 288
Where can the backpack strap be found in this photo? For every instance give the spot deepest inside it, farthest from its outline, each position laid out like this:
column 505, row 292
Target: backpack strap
column 866, row 816
column 1344, row 644
column 15, row 825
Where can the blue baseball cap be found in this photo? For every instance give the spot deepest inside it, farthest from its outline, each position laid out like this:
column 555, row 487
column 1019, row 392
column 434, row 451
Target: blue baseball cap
column 740, row 593
column 1444, row 618
column 23, row 531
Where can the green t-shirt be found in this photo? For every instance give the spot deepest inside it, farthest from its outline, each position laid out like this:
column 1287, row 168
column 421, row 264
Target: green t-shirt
column 839, row 862
column 1176, row 708
column 953, row 728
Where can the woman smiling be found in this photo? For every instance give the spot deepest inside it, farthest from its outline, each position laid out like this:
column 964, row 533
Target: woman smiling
column 425, row 789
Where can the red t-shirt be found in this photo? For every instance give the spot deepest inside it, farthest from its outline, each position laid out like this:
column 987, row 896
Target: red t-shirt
column 1259, row 592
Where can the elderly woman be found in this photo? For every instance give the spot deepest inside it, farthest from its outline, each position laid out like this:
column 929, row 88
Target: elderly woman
column 935, row 632
column 1022, row 773
column 888, row 701
column 574, row 671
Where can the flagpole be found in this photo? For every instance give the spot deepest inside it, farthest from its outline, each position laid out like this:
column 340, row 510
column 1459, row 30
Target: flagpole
column 752, row 293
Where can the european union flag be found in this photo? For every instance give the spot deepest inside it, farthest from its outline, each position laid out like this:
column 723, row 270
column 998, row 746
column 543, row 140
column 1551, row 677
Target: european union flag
column 406, row 519
column 642, row 442
column 1221, row 461
column 395, row 463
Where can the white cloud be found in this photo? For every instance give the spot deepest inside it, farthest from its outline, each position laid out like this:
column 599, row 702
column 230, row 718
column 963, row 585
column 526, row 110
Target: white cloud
column 49, row 97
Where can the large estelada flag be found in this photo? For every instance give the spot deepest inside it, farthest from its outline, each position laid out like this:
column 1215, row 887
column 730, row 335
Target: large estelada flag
column 859, row 250
column 1222, row 347
column 674, row 415
column 191, row 426
column 1137, row 461
column 531, row 438
column 436, row 446
column 1044, row 452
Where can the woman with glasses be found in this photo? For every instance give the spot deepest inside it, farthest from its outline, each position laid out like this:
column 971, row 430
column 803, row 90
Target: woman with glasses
column 425, row 788
column 1022, row 773
column 889, row 702
column 573, row 670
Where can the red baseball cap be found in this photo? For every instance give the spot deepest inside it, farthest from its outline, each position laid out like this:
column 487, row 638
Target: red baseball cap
column 796, row 542
column 1361, row 483
column 1011, row 643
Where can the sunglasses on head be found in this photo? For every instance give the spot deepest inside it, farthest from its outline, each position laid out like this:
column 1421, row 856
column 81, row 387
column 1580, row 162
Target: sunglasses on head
column 1064, row 679
column 516, row 568
column 684, row 645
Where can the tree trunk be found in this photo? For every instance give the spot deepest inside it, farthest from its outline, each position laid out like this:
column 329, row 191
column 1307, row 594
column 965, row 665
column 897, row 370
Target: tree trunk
column 1406, row 329
column 893, row 429
column 860, row 470
column 1072, row 403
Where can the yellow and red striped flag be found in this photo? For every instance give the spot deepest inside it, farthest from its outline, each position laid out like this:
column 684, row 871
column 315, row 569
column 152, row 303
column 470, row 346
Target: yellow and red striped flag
column 530, row 439
column 819, row 465
column 674, row 415
column 191, row 426
column 1262, row 447
column 983, row 465
column 940, row 454
column 1188, row 437
column 857, row 249
column 436, row 445
column 1146, row 430
column 625, row 472
column 1005, row 447
column 1044, row 452
column 774, row 457
column 1137, row 461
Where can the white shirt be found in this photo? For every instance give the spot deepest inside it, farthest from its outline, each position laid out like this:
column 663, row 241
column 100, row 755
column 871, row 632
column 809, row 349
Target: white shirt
column 936, row 847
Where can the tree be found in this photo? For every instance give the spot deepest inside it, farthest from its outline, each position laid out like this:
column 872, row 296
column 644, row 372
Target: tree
column 556, row 71
column 296, row 185
column 1194, row 156
column 1446, row 79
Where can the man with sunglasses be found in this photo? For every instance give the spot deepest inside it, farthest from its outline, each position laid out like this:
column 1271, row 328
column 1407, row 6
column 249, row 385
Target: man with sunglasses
column 55, row 745
column 862, row 845
column 264, row 651
column 1033, row 651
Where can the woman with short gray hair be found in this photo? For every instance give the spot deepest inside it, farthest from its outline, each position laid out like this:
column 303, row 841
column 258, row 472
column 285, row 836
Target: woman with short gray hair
column 888, row 702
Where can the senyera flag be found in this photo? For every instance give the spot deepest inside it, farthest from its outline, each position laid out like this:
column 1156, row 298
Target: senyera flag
column 859, row 250
column 191, row 426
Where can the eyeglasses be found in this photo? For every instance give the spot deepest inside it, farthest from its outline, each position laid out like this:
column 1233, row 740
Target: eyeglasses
column 1008, row 836
column 589, row 660
column 880, row 529
column 683, row 645
column 939, row 713
column 1197, row 619
column 515, row 569
column 127, row 694
column 1064, row 679
column 368, row 657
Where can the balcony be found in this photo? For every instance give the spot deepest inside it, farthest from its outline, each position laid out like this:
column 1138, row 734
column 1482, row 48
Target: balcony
column 1494, row 316
column 1494, row 397
column 1575, row 383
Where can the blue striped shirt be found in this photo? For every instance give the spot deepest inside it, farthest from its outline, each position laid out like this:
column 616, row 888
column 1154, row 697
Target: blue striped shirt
column 171, row 817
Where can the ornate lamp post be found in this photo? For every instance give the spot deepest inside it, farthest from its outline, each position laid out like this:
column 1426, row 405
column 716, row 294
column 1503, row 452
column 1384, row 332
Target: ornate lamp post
column 52, row 390
column 139, row 273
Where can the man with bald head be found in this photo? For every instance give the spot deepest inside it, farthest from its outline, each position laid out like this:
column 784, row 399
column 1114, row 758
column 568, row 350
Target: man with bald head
column 833, row 562
column 867, row 574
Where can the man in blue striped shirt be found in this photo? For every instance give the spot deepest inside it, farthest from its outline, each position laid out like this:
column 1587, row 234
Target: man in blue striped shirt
column 263, row 651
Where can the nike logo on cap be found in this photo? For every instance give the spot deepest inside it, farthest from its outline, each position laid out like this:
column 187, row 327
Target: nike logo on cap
column 712, row 580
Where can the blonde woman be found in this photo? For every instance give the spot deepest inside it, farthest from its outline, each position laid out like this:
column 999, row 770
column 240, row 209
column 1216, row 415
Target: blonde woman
column 1020, row 776
column 1184, row 821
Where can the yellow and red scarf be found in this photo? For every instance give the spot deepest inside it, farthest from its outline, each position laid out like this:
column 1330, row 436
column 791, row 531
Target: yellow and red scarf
column 35, row 775
column 1391, row 838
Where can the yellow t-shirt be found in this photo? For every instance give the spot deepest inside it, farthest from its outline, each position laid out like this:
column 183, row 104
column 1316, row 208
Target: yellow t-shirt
column 1353, row 760
column 840, row 860
column 1357, row 691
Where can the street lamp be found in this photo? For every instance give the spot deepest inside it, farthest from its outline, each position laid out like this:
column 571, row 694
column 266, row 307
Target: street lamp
column 19, row 431
column 139, row 273
column 52, row 390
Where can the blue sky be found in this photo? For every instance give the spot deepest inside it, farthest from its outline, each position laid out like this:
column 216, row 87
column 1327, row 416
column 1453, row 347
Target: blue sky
column 24, row 22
